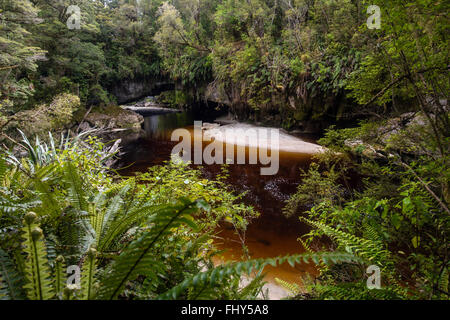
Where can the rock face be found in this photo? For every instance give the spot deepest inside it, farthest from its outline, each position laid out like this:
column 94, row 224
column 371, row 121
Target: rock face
column 215, row 94
column 306, row 114
column 149, row 107
column 132, row 90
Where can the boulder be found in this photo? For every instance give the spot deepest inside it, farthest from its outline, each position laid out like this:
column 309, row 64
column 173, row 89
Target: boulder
column 123, row 119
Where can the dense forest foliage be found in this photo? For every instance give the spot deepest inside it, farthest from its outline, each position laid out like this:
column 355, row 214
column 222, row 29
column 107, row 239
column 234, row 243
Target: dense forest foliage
column 302, row 60
column 283, row 62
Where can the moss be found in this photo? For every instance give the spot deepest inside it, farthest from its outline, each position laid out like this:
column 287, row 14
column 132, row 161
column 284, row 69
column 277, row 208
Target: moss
column 111, row 110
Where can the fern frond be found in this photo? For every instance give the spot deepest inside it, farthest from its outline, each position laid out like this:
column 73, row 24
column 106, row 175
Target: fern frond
column 371, row 233
column 10, row 280
column 217, row 274
column 366, row 249
column 3, row 168
column 443, row 280
column 76, row 234
column 293, row 288
column 88, row 275
column 251, row 290
column 370, row 251
column 114, row 207
column 76, row 190
column 37, row 271
column 137, row 259
column 46, row 195
column 60, row 276
column 103, row 219
column 122, row 224
column 205, row 293
column 305, row 245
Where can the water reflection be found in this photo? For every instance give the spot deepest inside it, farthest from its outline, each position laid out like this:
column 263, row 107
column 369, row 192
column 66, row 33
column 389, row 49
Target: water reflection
column 159, row 127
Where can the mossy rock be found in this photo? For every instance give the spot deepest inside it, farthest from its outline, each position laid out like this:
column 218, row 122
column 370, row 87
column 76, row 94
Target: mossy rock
column 115, row 117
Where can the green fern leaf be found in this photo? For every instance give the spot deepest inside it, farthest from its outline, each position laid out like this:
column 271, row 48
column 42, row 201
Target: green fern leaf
column 246, row 267
column 37, row 271
column 137, row 258
column 60, row 276
column 293, row 288
column 76, row 189
column 88, row 275
column 10, row 279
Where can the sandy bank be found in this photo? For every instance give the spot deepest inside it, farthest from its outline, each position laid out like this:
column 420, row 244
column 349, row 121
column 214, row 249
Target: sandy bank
column 261, row 137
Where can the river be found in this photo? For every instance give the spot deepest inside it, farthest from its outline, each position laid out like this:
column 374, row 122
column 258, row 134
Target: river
column 271, row 234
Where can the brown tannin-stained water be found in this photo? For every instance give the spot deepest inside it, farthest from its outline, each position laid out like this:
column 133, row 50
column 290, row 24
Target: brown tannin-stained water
column 271, row 234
